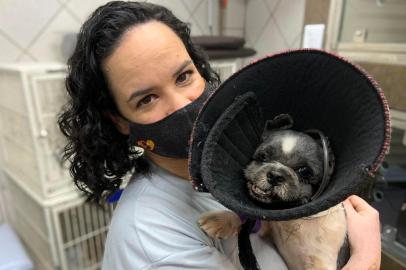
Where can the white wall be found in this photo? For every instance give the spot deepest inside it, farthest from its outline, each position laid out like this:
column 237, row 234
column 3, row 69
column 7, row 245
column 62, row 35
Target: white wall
column 33, row 30
column 268, row 26
column 273, row 25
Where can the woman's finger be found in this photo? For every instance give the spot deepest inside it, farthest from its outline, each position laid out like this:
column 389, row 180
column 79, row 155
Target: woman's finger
column 363, row 233
column 349, row 209
column 359, row 204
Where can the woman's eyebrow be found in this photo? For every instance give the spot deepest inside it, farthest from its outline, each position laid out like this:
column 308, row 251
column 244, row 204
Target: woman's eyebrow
column 138, row 93
column 182, row 67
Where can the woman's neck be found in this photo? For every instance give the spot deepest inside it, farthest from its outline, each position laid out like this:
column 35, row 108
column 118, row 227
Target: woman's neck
column 178, row 167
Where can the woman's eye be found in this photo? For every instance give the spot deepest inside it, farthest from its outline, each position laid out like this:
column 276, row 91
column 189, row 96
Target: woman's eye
column 146, row 100
column 184, row 77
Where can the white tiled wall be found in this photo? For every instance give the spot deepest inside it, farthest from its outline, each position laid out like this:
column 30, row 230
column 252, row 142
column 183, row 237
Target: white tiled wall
column 33, row 30
column 273, row 25
column 234, row 21
column 268, row 26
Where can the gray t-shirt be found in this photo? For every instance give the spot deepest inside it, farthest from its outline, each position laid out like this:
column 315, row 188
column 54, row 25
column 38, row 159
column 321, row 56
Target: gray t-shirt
column 154, row 227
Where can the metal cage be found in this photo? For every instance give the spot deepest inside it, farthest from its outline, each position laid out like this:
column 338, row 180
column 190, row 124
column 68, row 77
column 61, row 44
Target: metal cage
column 58, row 235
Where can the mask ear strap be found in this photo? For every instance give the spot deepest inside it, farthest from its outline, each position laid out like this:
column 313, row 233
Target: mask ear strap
column 328, row 161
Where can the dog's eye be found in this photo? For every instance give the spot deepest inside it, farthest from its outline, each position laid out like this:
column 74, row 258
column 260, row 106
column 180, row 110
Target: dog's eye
column 260, row 157
column 305, row 172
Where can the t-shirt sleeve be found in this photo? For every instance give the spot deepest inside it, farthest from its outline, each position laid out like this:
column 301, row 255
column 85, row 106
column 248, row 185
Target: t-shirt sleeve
column 160, row 240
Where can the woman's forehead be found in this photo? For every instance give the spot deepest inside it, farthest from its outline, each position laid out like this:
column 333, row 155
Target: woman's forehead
column 144, row 43
column 146, row 50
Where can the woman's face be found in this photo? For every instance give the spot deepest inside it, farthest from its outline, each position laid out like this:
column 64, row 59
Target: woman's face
column 151, row 75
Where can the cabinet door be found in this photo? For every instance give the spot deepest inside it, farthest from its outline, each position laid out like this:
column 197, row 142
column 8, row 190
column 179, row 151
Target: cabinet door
column 49, row 95
column 379, row 21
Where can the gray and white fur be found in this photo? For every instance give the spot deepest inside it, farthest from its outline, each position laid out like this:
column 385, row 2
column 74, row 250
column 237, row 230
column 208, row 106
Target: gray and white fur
column 287, row 167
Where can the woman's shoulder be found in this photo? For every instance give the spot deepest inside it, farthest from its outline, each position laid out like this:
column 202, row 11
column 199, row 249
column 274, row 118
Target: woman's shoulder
column 146, row 204
column 152, row 224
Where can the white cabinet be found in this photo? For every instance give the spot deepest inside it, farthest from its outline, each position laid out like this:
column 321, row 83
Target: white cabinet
column 31, row 143
column 368, row 30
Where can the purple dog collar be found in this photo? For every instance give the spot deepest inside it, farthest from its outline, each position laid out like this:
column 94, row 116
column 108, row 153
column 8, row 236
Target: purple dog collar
column 257, row 225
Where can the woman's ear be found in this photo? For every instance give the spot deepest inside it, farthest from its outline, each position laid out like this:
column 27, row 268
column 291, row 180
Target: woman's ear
column 121, row 124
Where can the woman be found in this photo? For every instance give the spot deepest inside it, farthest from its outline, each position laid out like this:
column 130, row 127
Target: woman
column 135, row 72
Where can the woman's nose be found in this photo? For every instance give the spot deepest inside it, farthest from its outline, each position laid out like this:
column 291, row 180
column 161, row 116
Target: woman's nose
column 177, row 101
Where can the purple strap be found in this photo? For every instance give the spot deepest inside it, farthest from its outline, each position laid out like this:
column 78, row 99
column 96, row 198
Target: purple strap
column 257, row 225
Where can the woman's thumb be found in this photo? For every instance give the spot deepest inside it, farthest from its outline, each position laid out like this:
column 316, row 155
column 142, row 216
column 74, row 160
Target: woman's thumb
column 349, row 209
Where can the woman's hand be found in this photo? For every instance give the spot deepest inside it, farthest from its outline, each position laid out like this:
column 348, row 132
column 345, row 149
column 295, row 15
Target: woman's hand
column 364, row 235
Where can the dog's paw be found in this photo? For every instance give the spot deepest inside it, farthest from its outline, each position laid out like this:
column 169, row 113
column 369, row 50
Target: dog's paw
column 220, row 224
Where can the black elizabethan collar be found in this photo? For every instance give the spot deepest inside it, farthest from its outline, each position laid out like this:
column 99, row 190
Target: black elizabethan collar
column 320, row 91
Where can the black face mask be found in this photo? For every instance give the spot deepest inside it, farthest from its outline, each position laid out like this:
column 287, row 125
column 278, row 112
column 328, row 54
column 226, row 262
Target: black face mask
column 170, row 136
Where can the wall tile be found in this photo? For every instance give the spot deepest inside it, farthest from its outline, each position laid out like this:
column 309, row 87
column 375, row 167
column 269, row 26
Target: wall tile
column 82, row 9
column 201, row 17
column 270, row 41
column 273, row 25
column 289, row 16
column 295, row 44
column 273, row 4
column 191, row 5
column 8, row 50
column 236, row 32
column 257, row 15
column 48, row 47
column 22, row 20
column 235, row 14
column 176, row 6
column 25, row 58
column 195, row 29
column 39, row 36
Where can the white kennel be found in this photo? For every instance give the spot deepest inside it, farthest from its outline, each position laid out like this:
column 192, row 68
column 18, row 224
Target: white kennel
column 38, row 196
column 225, row 67
column 31, row 144
column 67, row 235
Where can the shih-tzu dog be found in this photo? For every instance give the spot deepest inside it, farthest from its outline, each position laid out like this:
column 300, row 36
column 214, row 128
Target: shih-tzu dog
column 288, row 168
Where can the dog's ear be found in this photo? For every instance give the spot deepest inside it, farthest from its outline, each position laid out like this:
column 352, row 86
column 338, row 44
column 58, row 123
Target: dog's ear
column 281, row 121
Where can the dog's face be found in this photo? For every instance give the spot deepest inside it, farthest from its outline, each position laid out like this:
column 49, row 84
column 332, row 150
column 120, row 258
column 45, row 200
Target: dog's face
column 285, row 166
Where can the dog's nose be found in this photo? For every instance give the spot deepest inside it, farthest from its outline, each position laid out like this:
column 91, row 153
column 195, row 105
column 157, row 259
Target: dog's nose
column 274, row 179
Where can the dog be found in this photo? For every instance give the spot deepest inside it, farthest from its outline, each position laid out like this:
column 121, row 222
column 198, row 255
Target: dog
column 286, row 168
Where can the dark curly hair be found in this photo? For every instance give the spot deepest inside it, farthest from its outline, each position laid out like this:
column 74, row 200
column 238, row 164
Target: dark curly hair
column 99, row 155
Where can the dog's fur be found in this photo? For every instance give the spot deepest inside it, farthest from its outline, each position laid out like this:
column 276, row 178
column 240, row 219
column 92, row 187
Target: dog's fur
column 286, row 167
column 274, row 175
